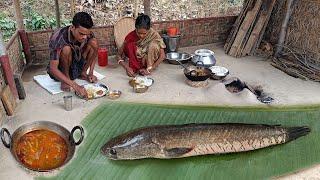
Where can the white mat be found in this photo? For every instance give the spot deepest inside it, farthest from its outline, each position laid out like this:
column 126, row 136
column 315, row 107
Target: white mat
column 53, row 86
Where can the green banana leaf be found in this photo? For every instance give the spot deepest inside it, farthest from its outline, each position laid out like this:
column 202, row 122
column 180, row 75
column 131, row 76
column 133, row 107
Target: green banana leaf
column 112, row 119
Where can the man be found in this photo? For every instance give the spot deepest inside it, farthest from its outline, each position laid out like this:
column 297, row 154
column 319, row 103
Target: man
column 143, row 47
column 73, row 50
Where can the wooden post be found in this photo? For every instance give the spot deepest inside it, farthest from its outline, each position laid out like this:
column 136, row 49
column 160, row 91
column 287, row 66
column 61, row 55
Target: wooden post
column 18, row 14
column 7, row 71
column 56, row 2
column 146, row 5
column 26, row 46
column 136, row 10
column 73, row 8
column 284, row 27
column 2, row 46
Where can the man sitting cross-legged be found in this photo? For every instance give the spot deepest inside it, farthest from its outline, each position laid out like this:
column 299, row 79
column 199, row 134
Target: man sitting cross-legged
column 73, row 50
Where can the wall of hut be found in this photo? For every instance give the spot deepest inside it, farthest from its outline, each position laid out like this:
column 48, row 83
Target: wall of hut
column 194, row 32
column 303, row 33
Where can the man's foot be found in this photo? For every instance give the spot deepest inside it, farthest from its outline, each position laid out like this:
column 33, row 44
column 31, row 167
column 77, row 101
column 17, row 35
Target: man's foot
column 65, row 87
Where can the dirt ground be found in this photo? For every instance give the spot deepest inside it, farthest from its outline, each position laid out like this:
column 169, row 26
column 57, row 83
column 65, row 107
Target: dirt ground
column 169, row 88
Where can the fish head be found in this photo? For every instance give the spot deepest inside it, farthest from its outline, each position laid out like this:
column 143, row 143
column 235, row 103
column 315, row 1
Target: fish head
column 130, row 146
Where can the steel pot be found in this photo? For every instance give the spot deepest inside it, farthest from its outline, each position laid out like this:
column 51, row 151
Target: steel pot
column 205, row 56
column 177, row 58
column 42, row 125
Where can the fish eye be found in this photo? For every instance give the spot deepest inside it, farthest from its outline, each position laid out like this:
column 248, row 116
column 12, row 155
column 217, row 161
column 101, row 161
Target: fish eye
column 113, row 152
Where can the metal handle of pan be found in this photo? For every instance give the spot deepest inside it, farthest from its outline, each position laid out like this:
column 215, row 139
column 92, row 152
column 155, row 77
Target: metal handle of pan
column 5, row 143
column 182, row 64
column 81, row 135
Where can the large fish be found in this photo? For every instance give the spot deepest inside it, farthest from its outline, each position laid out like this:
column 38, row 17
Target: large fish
column 177, row 141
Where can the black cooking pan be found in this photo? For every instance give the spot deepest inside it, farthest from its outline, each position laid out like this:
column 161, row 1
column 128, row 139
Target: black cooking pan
column 196, row 73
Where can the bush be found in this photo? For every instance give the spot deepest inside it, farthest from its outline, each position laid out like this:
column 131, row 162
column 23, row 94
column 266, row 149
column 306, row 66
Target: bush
column 7, row 26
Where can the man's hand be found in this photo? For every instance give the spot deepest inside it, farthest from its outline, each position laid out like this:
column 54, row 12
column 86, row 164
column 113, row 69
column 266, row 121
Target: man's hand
column 130, row 72
column 92, row 78
column 81, row 91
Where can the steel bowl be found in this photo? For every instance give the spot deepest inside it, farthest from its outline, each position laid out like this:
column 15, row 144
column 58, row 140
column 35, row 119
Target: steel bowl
column 218, row 72
column 114, row 94
column 41, row 125
column 173, row 57
column 140, row 88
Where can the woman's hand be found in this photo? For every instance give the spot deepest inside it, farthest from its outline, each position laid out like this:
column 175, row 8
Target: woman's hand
column 130, row 72
column 144, row 72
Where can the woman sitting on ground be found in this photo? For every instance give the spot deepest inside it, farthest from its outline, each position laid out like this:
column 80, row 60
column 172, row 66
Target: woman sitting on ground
column 143, row 47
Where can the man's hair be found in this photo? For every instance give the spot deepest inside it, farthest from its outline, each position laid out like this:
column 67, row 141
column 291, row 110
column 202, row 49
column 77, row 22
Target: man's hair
column 143, row 21
column 82, row 19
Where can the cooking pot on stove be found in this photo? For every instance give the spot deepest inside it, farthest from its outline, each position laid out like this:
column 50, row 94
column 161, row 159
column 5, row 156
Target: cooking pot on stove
column 197, row 73
column 68, row 137
column 205, row 57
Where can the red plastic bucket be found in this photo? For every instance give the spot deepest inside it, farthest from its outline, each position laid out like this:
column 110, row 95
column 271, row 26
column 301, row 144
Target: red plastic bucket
column 102, row 57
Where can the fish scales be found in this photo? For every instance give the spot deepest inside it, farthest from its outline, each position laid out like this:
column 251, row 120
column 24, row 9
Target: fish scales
column 177, row 141
column 219, row 139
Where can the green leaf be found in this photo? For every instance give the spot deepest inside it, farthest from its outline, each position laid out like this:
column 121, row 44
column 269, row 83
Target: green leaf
column 112, row 119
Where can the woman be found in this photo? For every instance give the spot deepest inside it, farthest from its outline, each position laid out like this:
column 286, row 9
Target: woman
column 143, row 47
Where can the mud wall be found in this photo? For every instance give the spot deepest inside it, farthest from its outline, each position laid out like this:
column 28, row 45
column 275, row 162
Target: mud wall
column 194, row 32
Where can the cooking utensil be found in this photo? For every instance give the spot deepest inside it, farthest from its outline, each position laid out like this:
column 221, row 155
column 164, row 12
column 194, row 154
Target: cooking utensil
column 205, row 56
column 180, row 63
column 41, row 125
column 143, row 80
column 172, row 42
column 196, row 73
column 114, row 94
column 218, row 72
column 140, row 88
column 175, row 58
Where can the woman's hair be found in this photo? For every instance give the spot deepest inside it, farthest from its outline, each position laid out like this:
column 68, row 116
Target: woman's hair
column 143, row 21
column 82, row 19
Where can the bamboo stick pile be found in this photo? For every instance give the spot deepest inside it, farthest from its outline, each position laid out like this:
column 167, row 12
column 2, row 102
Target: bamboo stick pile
column 297, row 64
column 249, row 28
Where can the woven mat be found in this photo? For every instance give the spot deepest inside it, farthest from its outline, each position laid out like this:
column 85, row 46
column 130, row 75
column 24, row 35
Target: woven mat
column 111, row 119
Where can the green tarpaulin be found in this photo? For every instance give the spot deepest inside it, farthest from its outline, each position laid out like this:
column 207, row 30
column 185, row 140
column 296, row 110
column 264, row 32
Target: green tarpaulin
column 111, row 119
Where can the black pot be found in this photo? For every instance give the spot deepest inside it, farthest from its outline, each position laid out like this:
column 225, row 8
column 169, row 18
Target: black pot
column 195, row 73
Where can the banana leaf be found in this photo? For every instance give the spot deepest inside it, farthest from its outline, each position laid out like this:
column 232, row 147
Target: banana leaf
column 112, row 119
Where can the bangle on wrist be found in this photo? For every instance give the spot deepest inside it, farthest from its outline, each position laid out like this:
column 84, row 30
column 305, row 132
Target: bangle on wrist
column 149, row 68
column 120, row 60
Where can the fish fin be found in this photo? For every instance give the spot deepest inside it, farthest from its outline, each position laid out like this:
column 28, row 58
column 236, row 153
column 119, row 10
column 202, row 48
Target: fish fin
column 296, row 132
column 175, row 152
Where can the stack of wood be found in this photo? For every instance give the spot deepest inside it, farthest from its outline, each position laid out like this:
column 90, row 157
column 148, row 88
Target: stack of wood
column 249, row 28
column 296, row 65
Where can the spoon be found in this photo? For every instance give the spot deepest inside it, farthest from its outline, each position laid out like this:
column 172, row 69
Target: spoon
column 182, row 64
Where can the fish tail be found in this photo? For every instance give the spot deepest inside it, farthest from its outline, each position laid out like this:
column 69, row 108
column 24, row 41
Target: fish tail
column 296, row 132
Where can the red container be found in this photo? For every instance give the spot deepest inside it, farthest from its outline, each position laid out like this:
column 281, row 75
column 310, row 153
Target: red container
column 172, row 31
column 102, row 57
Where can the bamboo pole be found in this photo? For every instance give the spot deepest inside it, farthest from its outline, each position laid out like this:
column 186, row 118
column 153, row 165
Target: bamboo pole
column 146, row 5
column 2, row 45
column 56, row 2
column 73, row 8
column 284, row 27
column 136, row 10
column 18, row 14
